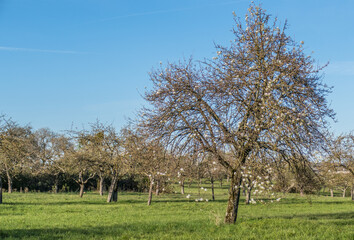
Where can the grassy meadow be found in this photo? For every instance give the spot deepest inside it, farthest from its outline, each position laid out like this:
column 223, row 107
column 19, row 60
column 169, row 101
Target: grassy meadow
column 172, row 216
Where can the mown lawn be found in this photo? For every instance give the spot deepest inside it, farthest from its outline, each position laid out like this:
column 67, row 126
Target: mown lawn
column 172, row 216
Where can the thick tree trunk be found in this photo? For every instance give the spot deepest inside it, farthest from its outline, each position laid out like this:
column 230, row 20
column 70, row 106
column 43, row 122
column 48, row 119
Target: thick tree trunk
column 352, row 192
column 331, row 190
column 212, row 189
column 113, row 190
column 82, row 187
column 234, row 197
column 101, row 179
column 115, row 195
column 344, row 191
column 0, row 190
column 21, row 191
column 182, row 187
column 150, row 192
column 221, row 182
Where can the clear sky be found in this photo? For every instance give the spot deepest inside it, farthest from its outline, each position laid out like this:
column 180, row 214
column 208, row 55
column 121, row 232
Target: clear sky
column 75, row 61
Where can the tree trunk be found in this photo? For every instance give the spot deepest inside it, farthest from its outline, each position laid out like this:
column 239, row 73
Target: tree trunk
column 301, row 192
column 221, row 182
column 0, row 190
column 82, row 187
column 182, row 187
column 157, row 188
column 150, row 191
column 234, row 197
column 115, row 195
column 9, row 182
column 248, row 196
column 56, row 184
column 212, row 188
column 21, row 191
column 344, row 191
column 101, row 184
column 113, row 189
column 331, row 190
column 352, row 192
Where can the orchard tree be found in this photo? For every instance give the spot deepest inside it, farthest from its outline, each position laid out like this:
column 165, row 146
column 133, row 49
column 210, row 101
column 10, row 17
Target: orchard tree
column 149, row 157
column 183, row 168
column 50, row 148
column 16, row 150
column 110, row 153
column 212, row 171
column 342, row 155
column 80, row 160
column 262, row 92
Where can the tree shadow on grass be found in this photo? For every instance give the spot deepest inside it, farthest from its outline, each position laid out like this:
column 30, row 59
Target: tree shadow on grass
column 114, row 231
column 314, row 216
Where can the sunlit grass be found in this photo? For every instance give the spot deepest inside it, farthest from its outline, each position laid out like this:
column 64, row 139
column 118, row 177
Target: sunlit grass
column 172, row 216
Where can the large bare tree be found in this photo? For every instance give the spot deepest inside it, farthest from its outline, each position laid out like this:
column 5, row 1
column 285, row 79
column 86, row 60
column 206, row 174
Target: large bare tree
column 261, row 93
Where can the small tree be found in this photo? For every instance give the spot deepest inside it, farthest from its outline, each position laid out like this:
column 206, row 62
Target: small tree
column 262, row 92
column 149, row 157
column 341, row 154
column 80, row 160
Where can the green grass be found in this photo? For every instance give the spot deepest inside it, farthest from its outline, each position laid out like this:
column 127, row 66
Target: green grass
column 171, row 216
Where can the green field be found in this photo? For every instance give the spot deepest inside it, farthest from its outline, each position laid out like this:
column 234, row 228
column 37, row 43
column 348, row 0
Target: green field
column 172, row 216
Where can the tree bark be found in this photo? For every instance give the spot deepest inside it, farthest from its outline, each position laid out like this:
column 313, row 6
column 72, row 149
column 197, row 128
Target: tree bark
column 9, row 182
column 331, row 190
column 182, row 187
column 212, row 188
column 344, row 191
column 234, row 197
column 157, row 188
column 150, row 191
column 301, row 192
column 56, row 184
column 82, row 187
column 113, row 189
column 101, row 184
column 352, row 192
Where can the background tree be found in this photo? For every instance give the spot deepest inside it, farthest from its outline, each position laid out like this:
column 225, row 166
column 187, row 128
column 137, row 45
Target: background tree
column 341, row 154
column 149, row 157
column 108, row 147
column 257, row 176
column 262, row 92
column 80, row 160
column 16, row 150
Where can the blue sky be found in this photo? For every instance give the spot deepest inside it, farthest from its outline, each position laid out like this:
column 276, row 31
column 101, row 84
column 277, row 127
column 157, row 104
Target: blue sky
column 65, row 62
